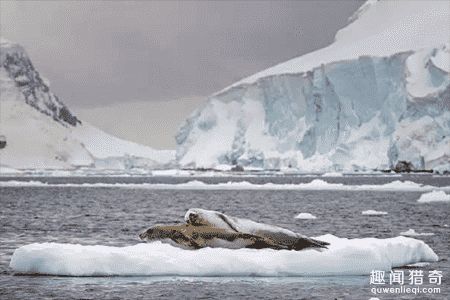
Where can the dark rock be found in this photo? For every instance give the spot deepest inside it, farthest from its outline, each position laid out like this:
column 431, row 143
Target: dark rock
column 403, row 166
column 2, row 141
column 237, row 168
column 29, row 81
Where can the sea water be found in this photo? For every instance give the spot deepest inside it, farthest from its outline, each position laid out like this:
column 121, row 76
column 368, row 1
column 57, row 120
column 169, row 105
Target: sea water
column 113, row 211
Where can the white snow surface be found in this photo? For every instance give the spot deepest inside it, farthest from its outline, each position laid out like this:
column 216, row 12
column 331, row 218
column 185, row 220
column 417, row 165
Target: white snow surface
column 400, row 26
column 343, row 257
column 316, row 184
column 434, row 196
column 374, row 212
column 103, row 145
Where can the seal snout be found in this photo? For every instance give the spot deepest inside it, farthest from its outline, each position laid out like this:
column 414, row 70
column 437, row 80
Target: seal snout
column 193, row 218
column 146, row 234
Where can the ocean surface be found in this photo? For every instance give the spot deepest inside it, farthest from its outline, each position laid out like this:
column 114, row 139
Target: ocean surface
column 114, row 216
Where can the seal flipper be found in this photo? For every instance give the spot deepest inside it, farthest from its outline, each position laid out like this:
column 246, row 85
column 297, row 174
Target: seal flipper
column 226, row 221
column 260, row 242
column 303, row 243
column 321, row 243
column 184, row 240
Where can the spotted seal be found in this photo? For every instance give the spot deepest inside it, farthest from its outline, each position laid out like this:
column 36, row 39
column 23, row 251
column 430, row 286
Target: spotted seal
column 206, row 228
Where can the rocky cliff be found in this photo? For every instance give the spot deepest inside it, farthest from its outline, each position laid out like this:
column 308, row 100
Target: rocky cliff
column 37, row 131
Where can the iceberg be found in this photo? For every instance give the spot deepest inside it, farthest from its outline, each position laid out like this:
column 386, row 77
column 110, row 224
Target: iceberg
column 344, row 257
column 378, row 95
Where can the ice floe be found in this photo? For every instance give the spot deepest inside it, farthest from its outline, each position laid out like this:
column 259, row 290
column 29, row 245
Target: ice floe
column 374, row 213
column 316, row 184
column 305, row 216
column 412, row 232
column 434, row 196
column 344, row 257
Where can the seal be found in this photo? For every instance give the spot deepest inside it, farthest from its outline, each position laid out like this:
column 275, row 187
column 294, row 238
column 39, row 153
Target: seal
column 207, row 228
column 192, row 237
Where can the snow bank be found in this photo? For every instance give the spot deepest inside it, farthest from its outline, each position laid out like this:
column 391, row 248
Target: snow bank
column 374, row 213
column 316, row 184
column 305, row 216
column 344, row 257
column 434, row 196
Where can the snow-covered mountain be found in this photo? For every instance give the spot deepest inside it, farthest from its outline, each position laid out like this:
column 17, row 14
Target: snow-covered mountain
column 379, row 94
column 39, row 132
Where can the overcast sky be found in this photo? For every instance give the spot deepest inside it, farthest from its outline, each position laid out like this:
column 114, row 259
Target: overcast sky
column 138, row 69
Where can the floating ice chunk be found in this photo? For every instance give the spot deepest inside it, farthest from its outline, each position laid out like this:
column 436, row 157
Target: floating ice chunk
column 343, row 257
column 316, row 184
column 320, row 184
column 406, row 185
column 434, row 196
column 419, row 264
column 412, row 232
column 305, row 216
column 374, row 213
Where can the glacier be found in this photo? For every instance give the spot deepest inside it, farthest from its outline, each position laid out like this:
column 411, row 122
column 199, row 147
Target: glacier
column 378, row 95
column 37, row 131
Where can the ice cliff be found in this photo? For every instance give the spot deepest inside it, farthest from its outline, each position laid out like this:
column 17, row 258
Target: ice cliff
column 37, row 131
column 378, row 95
